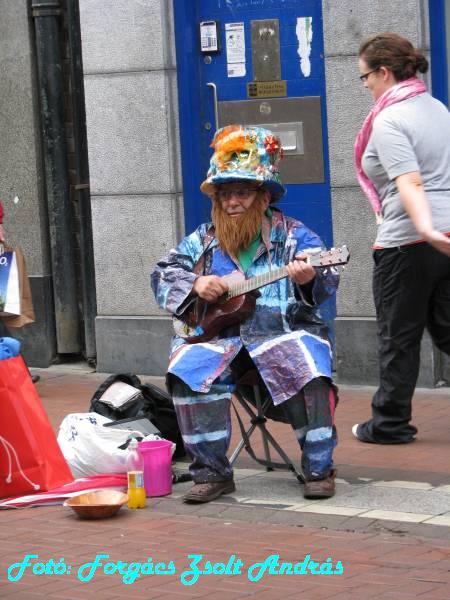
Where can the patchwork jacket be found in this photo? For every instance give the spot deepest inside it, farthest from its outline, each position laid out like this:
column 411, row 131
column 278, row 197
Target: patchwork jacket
column 287, row 335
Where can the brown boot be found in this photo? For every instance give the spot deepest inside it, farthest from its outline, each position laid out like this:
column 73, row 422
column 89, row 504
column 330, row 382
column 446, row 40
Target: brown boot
column 205, row 492
column 320, row 488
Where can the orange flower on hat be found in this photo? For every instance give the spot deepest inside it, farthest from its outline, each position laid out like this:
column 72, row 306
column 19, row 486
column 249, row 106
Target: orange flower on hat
column 233, row 145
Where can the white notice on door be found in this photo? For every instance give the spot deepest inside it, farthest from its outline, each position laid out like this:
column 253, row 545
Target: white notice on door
column 235, row 44
column 236, row 70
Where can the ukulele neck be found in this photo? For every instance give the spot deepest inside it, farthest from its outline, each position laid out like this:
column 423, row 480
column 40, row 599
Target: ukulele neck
column 254, row 283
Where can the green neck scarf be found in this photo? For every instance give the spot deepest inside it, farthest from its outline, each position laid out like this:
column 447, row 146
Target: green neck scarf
column 246, row 255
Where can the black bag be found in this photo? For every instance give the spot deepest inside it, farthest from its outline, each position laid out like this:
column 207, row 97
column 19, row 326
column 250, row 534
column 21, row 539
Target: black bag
column 150, row 402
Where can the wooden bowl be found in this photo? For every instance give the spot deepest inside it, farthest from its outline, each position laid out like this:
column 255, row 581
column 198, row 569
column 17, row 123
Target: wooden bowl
column 97, row 505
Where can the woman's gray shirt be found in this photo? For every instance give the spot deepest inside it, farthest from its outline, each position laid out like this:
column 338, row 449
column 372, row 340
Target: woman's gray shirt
column 411, row 135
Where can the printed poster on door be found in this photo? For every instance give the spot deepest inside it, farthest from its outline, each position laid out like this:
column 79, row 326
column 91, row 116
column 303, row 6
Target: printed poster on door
column 235, row 45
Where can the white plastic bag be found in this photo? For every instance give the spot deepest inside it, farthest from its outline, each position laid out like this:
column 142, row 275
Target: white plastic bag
column 91, row 449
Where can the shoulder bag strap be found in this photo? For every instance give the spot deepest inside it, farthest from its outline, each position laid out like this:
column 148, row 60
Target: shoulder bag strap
column 199, row 266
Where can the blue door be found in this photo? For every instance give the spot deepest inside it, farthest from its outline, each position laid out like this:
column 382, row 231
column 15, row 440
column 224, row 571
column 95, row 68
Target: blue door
column 255, row 62
column 439, row 11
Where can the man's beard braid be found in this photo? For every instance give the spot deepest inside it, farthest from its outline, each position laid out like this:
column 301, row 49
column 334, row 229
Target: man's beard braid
column 237, row 233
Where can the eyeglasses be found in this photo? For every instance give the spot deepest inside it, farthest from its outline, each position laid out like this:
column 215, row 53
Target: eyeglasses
column 364, row 77
column 239, row 193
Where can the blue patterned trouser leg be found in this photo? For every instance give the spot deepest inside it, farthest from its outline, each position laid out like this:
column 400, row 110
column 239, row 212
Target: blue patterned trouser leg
column 311, row 414
column 205, row 424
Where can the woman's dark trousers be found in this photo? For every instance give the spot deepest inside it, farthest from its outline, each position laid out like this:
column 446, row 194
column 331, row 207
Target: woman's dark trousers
column 411, row 286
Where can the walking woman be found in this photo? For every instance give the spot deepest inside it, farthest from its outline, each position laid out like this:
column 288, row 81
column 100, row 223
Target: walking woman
column 402, row 156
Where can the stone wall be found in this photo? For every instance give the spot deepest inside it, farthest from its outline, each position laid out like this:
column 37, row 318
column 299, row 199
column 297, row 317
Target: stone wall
column 21, row 172
column 131, row 109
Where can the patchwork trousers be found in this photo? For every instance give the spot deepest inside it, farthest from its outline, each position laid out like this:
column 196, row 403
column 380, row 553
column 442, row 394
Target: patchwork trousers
column 205, row 424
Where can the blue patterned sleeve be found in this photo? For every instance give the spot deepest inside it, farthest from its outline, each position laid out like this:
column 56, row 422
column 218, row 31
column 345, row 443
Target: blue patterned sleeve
column 327, row 280
column 173, row 277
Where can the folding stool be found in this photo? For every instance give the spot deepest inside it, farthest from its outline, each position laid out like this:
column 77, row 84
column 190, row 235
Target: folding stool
column 251, row 394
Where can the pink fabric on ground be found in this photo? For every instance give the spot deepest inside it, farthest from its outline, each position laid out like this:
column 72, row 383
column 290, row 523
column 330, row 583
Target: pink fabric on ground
column 58, row 495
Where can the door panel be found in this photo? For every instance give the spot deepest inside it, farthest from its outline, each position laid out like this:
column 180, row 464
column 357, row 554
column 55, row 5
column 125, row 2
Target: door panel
column 283, row 40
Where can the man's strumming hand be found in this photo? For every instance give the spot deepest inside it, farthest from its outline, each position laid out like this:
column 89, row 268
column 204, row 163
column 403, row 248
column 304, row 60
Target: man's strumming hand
column 210, row 287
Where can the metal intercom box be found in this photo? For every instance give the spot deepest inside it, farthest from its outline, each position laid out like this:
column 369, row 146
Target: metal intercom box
column 297, row 121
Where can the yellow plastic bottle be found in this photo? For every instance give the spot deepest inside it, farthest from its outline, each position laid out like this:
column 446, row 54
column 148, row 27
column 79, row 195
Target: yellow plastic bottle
column 135, row 472
column 136, row 491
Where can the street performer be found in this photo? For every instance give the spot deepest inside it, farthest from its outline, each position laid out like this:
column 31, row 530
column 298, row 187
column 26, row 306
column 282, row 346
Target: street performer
column 284, row 338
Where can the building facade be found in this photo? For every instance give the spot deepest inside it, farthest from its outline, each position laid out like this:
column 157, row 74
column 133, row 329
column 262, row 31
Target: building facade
column 158, row 77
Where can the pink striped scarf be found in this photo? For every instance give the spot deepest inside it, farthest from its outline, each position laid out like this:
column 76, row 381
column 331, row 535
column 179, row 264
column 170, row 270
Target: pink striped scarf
column 401, row 91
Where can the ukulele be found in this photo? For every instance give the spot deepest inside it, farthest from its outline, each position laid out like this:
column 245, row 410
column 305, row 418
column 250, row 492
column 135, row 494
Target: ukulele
column 201, row 321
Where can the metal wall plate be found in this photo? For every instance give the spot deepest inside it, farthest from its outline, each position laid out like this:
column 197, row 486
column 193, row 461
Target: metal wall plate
column 267, row 89
column 266, row 50
column 298, row 120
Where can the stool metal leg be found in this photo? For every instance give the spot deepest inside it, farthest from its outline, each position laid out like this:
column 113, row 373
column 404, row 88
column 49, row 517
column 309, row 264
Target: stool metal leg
column 262, row 428
column 241, row 444
column 258, row 420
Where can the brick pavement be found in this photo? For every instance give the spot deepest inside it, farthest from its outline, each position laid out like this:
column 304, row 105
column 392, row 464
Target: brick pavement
column 375, row 564
column 380, row 558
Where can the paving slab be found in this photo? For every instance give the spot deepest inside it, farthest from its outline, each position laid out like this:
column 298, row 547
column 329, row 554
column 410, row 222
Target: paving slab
column 443, row 520
column 393, row 515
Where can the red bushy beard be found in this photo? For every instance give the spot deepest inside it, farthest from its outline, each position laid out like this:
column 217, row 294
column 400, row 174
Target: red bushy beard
column 237, row 233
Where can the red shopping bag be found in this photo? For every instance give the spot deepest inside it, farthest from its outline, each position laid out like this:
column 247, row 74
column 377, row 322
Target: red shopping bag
column 30, row 457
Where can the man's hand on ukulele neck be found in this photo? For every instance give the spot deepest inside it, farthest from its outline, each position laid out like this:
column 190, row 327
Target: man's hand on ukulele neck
column 299, row 270
column 210, row 287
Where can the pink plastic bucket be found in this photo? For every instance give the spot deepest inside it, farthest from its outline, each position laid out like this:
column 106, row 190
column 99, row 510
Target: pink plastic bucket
column 157, row 457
